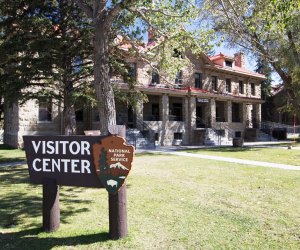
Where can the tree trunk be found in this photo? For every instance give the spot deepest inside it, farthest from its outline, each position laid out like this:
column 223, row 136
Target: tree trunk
column 69, row 118
column 69, row 121
column 104, row 90
column 1, row 109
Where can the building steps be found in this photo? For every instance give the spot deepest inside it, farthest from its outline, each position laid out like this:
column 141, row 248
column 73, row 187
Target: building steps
column 262, row 136
column 138, row 139
column 212, row 138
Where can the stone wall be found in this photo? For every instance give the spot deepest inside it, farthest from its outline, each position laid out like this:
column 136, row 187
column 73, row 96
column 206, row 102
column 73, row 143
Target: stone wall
column 23, row 120
column 11, row 125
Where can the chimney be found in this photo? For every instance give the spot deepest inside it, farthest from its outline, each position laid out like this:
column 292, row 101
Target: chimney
column 239, row 59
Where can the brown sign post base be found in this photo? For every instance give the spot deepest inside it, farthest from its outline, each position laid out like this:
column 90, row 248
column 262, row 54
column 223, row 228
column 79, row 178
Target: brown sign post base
column 118, row 214
column 51, row 210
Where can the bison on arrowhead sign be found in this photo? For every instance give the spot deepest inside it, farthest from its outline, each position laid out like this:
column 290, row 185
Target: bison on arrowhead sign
column 112, row 160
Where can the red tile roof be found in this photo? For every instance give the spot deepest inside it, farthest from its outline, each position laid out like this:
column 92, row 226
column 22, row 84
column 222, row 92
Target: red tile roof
column 234, row 67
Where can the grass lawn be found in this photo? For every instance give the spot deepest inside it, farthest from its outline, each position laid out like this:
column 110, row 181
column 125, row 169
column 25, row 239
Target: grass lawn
column 173, row 203
column 278, row 155
column 8, row 154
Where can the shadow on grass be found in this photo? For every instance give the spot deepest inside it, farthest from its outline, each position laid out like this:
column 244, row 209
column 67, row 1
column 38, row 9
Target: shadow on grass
column 21, row 202
column 14, row 175
column 6, row 147
column 28, row 239
column 9, row 154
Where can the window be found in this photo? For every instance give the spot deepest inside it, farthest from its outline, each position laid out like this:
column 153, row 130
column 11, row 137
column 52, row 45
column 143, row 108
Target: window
column 228, row 63
column 176, row 114
column 155, row 111
column 220, row 111
column 198, row 80
column 79, row 115
column 228, row 85
column 155, row 78
column 238, row 134
column 45, row 110
column 236, row 112
column 178, row 79
column 252, row 88
column 241, row 87
column 132, row 70
column 214, row 83
column 177, row 136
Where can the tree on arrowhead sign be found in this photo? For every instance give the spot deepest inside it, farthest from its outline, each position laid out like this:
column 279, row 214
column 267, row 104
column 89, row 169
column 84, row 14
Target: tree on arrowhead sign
column 113, row 160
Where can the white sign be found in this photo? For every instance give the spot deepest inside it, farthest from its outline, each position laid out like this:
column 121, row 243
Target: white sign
column 202, row 100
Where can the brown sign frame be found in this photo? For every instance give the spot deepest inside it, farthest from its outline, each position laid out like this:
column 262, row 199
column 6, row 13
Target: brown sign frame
column 74, row 160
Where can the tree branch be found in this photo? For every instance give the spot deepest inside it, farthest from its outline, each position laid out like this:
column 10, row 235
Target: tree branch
column 145, row 10
column 293, row 47
column 111, row 15
column 85, row 7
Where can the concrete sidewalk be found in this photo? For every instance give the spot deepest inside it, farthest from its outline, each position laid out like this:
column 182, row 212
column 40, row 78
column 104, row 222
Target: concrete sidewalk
column 275, row 144
column 233, row 160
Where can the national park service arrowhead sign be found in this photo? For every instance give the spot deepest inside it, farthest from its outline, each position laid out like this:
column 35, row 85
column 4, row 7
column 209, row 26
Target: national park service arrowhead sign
column 112, row 160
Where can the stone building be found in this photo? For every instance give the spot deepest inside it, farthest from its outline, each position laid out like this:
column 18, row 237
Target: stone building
column 211, row 101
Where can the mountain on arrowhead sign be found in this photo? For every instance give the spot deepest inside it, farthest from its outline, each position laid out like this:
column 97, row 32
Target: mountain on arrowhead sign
column 112, row 159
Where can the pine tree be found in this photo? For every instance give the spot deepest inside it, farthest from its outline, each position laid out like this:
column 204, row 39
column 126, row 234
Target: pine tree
column 264, row 68
column 47, row 52
column 103, row 160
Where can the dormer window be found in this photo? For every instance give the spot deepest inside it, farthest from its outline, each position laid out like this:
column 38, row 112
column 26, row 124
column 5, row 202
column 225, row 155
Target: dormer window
column 228, row 63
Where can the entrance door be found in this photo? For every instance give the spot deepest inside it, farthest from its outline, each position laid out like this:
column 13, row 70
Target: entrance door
column 130, row 119
column 200, row 117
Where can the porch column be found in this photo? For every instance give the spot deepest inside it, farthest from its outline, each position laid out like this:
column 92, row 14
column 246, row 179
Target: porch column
column 164, row 111
column 139, row 110
column 192, row 120
column 165, row 107
column 258, row 115
column 193, row 112
column 229, row 112
column 247, row 119
column 212, row 116
column 189, row 115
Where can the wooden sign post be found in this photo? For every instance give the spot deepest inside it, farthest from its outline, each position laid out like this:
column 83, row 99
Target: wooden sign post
column 83, row 161
column 51, row 209
column 117, row 202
